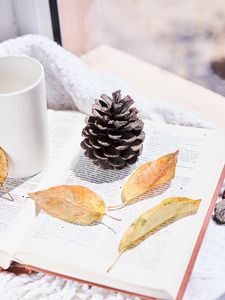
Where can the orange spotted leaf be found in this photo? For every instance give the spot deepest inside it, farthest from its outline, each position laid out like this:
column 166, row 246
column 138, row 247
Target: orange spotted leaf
column 75, row 204
column 150, row 176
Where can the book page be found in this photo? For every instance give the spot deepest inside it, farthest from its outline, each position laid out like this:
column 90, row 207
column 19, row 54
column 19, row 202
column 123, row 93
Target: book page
column 16, row 216
column 93, row 248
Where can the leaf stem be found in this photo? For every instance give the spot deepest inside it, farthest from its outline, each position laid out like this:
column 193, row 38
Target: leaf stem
column 115, row 207
column 108, row 227
column 114, row 218
column 114, row 263
column 7, row 192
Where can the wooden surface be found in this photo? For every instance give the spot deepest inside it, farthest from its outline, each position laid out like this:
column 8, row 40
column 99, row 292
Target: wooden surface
column 158, row 84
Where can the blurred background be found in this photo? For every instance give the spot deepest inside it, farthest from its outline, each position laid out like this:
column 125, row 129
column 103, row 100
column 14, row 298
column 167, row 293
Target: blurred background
column 186, row 37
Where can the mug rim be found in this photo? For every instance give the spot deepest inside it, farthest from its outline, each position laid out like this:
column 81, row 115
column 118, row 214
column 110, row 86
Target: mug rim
column 31, row 86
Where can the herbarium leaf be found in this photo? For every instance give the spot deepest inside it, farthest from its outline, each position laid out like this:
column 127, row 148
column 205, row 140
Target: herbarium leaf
column 3, row 166
column 156, row 218
column 4, row 171
column 75, row 204
column 150, row 176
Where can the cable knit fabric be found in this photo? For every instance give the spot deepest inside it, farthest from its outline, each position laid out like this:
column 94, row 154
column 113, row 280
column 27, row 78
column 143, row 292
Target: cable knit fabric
column 71, row 84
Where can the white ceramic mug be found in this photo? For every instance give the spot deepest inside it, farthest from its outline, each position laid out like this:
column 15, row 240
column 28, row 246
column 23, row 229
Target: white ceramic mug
column 23, row 115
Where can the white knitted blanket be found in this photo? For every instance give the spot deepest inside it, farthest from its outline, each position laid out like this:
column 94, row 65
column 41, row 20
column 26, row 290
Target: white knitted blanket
column 72, row 85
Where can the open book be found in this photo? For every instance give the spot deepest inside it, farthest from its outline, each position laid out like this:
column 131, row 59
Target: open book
column 159, row 267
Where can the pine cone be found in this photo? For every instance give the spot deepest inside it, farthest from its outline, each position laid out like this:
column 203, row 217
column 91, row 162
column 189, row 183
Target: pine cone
column 113, row 135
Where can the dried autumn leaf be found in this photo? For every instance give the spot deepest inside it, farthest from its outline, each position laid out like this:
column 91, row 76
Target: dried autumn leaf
column 150, row 176
column 4, row 171
column 76, row 204
column 3, row 166
column 154, row 219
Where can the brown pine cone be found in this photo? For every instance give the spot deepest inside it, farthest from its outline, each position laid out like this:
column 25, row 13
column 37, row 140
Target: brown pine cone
column 114, row 132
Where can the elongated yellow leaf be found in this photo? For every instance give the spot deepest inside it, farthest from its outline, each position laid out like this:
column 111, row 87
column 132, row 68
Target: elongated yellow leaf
column 3, row 166
column 76, row 204
column 150, row 176
column 156, row 218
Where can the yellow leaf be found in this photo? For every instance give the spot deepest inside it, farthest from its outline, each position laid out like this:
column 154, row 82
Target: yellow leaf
column 4, row 171
column 3, row 166
column 150, row 176
column 156, row 218
column 76, row 204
